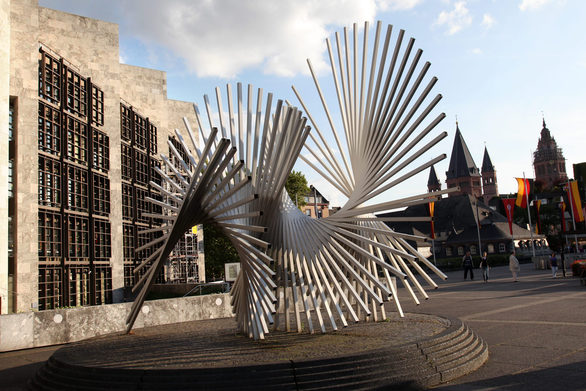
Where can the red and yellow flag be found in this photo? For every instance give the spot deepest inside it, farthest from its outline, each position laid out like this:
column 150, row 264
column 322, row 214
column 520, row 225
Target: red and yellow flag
column 523, row 192
column 574, row 198
column 538, row 225
column 563, row 208
column 431, row 210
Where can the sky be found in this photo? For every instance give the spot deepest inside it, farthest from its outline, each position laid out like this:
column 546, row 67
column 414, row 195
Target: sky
column 503, row 65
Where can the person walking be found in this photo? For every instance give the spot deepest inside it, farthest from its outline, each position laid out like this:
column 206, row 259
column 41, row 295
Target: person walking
column 468, row 265
column 514, row 265
column 484, row 266
column 553, row 262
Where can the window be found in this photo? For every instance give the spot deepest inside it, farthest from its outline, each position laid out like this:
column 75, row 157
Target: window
column 126, row 158
column 76, row 94
column 49, row 78
column 49, row 182
column 49, row 287
column 448, row 251
column 77, row 189
column 128, row 239
column 78, row 238
column 502, row 248
column 125, row 123
column 142, row 167
column 49, row 129
column 97, row 106
column 142, row 205
column 152, row 139
column 127, row 202
column 490, row 248
column 460, row 250
column 78, row 278
column 308, row 212
column 473, row 249
column 49, row 227
column 77, row 140
column 103, row 284
column 101, row 151
column 102, row 242
column 140, row 132
column 101, row 195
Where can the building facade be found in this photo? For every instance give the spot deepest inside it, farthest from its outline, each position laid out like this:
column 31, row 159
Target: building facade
column 81, row 138
column 548, row 161
column 316, row 205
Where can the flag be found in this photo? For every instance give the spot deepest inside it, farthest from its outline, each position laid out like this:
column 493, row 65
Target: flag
column 563, row 208
column 575, row 202
column 509, row 204
column 523, row 192
column 538, row 225
column 431, row 206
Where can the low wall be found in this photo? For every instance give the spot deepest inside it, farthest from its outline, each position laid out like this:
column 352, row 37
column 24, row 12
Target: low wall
column 53, row 327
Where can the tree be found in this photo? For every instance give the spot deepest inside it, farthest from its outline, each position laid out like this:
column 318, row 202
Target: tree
column 218, row 251
column 297, row 188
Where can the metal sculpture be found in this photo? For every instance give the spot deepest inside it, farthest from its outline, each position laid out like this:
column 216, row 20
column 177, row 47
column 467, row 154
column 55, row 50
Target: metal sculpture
column 327, row 270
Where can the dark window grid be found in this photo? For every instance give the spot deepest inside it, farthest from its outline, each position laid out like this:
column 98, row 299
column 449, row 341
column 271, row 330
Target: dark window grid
column 153, row 139
column 155, row 176
column 49, row 129
column 102, row 240
column 79, row 285
column 50, row 238
column 141, row 164
column 126, row 157
column 76, row 101
column 11, row 178
column 101, row 151
column 129, row 279
column 140, row 131
column 103, row 284
column 49, row 78
column 128, row 241
column 49, row 287
column 127, row 202
column 49, row 182
column 77, row 189
column 97, row 106
column 77, row 141
column 125, row 123
column 142, row 205
column 101, row 195
column 144, row 238
column 155, row 208
column 179, row 147
column 78, row 238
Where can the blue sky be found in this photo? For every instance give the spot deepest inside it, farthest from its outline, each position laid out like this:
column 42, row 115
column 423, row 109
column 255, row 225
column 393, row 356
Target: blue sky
column 500, row 63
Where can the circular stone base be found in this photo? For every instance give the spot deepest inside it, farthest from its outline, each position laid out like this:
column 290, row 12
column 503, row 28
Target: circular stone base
column 415, row 351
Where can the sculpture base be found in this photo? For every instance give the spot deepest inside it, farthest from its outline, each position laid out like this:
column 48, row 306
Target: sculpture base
column 413, row 352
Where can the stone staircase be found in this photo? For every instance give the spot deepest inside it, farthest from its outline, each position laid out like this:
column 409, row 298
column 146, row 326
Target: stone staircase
column 443, row 357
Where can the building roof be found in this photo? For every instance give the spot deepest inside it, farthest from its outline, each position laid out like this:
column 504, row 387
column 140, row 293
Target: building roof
column 461, row 162
column 455, row 221
column 487, row 165
column 433, row 181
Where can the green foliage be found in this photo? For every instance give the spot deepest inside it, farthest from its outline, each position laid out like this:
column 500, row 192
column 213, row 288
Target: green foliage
column 218, row 251
column 297, row 188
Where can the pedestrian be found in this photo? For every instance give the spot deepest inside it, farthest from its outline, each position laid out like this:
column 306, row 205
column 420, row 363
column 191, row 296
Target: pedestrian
column 484, row 266
column 468, row 265
column 514, row 265
column 553, row 262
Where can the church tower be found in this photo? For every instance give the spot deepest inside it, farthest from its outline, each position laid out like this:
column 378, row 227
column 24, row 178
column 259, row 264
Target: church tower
column 489, row 184
column 433, row 184
column 462, row 170
column 548, row 161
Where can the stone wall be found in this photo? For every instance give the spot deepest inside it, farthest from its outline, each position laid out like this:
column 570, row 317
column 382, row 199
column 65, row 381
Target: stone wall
column 4, row 145
column 44, row 328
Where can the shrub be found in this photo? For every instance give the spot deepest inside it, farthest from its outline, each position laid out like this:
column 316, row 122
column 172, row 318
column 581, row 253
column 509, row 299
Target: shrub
column 578, row 266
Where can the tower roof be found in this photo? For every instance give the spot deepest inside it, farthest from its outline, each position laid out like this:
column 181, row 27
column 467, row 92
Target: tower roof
column 486, row 163
column 433, row 181
column 461, row 162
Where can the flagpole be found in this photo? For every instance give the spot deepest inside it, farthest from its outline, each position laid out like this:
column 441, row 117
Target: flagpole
column 528, row 213
column 572, row 211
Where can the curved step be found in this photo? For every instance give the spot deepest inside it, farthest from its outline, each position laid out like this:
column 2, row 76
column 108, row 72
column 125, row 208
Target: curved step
column 452, row 353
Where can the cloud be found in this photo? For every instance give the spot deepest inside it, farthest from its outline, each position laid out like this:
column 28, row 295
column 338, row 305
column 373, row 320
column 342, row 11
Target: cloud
column 224, row 38
column 487, row 21
column 397, row 5
column 477, row 51
column 455, row 20
column 530, row 5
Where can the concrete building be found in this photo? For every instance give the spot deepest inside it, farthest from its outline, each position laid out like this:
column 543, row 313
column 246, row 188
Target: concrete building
column 548, row 161
column 79, row 142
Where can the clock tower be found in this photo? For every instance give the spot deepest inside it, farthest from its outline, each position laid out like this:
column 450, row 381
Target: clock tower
column 548, row 161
